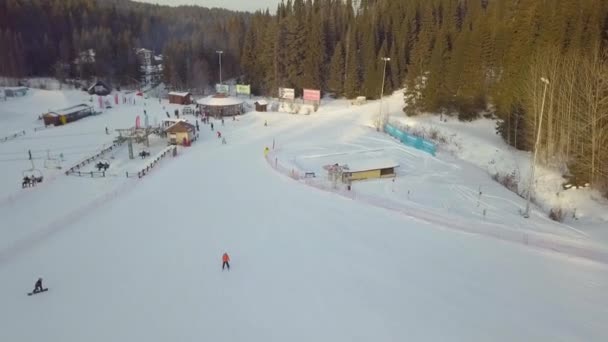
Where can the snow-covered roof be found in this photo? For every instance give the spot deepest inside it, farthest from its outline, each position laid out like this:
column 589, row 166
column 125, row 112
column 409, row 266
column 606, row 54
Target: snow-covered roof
column 262, row 102
column 181, row 126
column 180, row 94
column 174, row 120
column 370, row 164
column 219, row 101
column 69, row 110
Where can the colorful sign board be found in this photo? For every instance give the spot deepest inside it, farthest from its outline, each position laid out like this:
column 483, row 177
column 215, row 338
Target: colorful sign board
column 312, row 95
column 222, row 88
column 287, row 93
column 242, row 89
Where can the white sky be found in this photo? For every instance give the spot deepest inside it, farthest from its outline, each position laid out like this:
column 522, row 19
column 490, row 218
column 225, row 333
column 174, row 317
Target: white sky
column 240, row 5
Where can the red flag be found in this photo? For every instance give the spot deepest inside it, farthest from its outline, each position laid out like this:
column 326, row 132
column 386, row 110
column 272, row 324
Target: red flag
column 137, row 122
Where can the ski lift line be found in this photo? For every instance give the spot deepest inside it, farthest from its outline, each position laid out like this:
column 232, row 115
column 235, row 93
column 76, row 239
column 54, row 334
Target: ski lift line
column 62, row 136
column 51, row 150
column 45, row 157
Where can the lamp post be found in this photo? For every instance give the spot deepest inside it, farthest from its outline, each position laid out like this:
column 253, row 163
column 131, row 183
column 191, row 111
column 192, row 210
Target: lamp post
column 380, row 122
column 533, row 166
column 220, row 52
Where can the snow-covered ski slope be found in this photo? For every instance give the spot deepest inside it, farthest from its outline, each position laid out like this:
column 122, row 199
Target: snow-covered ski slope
column 140, row 259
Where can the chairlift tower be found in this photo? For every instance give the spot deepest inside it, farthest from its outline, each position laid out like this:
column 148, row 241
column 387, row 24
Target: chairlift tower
column 139, row 135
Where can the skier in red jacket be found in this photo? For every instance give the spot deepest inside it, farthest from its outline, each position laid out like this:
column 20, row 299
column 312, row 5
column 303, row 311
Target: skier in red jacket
column 225, row 261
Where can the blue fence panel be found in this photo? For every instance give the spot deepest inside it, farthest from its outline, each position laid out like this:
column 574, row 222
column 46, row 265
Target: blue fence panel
column 410, row 140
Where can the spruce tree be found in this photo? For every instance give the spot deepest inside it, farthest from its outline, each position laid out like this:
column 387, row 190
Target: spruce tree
column 315, row 55
column 336, row 71
column 352, row 80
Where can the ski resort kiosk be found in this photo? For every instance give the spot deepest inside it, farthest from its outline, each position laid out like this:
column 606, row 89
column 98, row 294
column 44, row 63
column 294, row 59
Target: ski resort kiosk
column 368, row 169
column 181, row 98
column 220, row 105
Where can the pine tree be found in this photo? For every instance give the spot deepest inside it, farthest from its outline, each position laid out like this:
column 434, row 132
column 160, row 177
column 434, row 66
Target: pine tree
column 432, row 95
column 352, row 81
column 336, row 73
column 312, row 77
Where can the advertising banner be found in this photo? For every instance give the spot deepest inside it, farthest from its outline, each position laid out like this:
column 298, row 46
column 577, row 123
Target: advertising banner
column 312, row 95
column 287, row 93
column 242, row 89
column 222, row 88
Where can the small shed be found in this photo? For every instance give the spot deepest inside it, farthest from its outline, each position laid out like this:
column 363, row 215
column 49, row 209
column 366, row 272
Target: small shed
column 63, row 116
column 369, row 169
column 261, row 106
column 166, row 123
column 15, row 91
column 181, row 133
column 100, row 88
column 182, row 98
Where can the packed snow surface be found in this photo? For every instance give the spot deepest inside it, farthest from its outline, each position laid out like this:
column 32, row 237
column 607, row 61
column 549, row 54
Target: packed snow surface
column 129, row 259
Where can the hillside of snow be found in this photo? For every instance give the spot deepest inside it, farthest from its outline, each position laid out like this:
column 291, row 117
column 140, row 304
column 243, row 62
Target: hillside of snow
column 423, row 258
column 478, row 144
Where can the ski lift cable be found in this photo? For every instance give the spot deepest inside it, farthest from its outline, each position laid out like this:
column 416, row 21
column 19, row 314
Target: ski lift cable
column 54, row 149
column 45, row 157
column 61, row 136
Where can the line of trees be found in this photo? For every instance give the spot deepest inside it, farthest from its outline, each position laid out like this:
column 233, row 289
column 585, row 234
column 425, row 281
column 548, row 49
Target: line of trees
column 46, row 37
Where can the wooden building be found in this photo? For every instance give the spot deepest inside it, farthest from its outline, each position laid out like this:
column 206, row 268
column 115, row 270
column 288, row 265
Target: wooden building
column 220, row 105
column 100, row 88
column 181, row 133
column 15, row 91
column 63, row 116
column 261, row 106
column 368, row 169
column 180, row 98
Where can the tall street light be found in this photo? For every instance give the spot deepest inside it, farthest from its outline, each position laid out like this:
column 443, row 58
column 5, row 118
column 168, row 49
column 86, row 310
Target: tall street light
column 220, row 52
column 533, row 166
column 380, row 122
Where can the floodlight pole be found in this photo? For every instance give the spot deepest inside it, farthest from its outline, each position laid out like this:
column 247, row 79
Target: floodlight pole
column 220, row 52
column 533, row 166
column 380, row 117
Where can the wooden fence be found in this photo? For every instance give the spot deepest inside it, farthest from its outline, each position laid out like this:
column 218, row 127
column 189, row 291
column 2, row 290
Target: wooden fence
column 12, row 136
column 75, row 170
column 170, row 150
column 92, row 174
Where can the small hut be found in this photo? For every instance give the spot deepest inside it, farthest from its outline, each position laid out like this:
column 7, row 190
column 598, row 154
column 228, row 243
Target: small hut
column 181, row 133
column 63, row 116
column 369, row 169
column 100, row 88
column 15, row 91
column 261, row 106
column 184, row 98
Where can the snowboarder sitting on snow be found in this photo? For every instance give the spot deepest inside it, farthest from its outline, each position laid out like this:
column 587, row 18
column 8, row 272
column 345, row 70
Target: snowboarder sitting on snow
column 219, row 134
column 225, row 261
column 38, row 286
